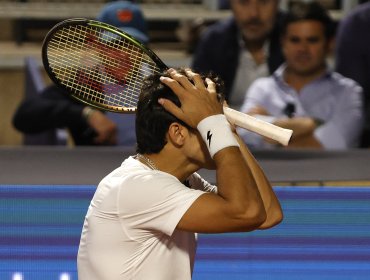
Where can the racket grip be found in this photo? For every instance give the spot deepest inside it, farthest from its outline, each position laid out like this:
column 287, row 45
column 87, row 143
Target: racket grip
column 258, row 126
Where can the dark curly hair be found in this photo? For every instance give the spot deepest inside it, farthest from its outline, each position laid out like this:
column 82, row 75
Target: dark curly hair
column 309, row 11
column 152, row 120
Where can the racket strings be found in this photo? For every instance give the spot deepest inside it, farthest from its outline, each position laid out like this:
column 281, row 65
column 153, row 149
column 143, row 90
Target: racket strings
column 65, row 56
column 95, row 71
column 143, row 67
column 99, row 70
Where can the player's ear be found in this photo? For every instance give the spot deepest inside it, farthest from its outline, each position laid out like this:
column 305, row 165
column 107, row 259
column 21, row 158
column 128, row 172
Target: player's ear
column 177, row 134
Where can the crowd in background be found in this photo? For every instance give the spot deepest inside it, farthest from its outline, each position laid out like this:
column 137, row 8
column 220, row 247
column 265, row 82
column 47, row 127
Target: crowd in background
column 275, row 65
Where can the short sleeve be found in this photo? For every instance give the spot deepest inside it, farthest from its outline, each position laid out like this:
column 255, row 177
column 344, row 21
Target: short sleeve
column 154, row 201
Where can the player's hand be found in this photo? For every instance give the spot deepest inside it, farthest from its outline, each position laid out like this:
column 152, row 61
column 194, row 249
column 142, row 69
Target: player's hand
column 105, row 128
column 198, row 100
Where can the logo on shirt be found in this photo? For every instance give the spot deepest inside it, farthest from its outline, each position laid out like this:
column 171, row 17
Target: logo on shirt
column 209, row 138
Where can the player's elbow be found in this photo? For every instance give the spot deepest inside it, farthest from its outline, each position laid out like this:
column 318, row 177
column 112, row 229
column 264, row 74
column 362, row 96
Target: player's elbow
column 272, row 220
column 252, row 218
column 279, row 217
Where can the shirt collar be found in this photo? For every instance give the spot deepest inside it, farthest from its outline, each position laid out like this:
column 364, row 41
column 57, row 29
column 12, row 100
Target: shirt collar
column 278, row 75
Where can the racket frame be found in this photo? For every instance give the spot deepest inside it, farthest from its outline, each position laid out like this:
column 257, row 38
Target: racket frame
column 106, row 27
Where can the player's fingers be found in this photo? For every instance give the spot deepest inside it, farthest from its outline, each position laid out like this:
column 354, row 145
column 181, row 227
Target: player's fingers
column 172, row 108
column 211, row 86
column 181, row 79
column 173, row 85
column 196, row 78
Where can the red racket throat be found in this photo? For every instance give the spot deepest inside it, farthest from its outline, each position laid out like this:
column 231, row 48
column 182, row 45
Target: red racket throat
column 98, row 64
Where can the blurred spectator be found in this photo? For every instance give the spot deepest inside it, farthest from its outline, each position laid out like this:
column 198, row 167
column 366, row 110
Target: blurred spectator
column 189, row 32
column 127, row 16
column 323, row 108
column 241, row 48
column 53, row 108
column 353, row 56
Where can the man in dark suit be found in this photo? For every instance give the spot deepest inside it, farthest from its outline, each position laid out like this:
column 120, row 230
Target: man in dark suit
column 242, row 48
column 352, row 56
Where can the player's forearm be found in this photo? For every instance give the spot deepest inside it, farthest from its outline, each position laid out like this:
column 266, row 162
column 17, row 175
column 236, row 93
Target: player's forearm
column 237, row 186
column 270, row 201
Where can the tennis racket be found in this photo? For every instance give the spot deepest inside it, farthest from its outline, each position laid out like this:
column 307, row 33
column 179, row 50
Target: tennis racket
column 102, row 66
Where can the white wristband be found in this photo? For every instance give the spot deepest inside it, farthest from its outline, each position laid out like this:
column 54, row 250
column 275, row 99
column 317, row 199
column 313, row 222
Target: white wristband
column 216, row 133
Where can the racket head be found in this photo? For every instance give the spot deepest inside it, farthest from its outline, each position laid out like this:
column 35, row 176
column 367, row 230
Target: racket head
column 98, row 64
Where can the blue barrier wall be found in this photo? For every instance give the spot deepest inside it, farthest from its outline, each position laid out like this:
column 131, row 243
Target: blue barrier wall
column 325, row 235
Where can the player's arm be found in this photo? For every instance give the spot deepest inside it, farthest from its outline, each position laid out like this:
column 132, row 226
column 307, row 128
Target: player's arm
column 238, row 206
column 274, row 213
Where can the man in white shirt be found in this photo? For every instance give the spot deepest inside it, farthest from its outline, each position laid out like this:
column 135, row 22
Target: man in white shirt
column 143, row 219
column 323, row 108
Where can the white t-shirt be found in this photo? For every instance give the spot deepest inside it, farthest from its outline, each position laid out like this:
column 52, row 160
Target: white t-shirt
column 130, row 228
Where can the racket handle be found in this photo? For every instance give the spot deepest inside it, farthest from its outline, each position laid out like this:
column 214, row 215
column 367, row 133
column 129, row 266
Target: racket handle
column 258, row 126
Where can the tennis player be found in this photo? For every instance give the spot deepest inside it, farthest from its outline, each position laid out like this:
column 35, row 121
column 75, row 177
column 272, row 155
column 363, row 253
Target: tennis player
column 143, row 219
